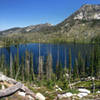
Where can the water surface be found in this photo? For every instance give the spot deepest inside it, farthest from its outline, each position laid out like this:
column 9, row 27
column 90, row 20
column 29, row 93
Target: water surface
column 57, row 50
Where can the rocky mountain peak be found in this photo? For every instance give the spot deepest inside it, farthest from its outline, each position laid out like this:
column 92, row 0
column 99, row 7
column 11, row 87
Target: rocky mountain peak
column 88, row 12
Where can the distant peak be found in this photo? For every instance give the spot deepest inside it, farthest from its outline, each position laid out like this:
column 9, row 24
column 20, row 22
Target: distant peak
column 88, row 12
column 90, row 5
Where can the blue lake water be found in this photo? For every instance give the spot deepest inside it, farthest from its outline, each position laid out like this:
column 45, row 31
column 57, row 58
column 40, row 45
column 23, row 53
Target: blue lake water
column 55, row 49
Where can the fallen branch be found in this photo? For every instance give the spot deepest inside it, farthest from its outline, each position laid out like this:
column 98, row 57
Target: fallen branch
column 11, row 90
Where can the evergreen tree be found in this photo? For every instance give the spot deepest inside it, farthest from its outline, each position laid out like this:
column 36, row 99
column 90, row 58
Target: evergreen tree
column 27, row 65
column 65, row 67
column 83, row 68
column 31, row 68
column 75, row 70
column 11, row 65
column 87, row 60
column 97, row 63
column 59, row 72
column 2, row 63
column 81, row 64
column 23, row 68
column 40, row 68
column 58, row 66
column 49, row 70
column 70, row 66
column 91, row 68
column 16, row 61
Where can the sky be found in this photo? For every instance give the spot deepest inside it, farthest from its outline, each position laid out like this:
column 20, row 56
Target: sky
column 20, row 13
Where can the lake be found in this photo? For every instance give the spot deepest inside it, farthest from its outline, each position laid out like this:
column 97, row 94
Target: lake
column 57, row 50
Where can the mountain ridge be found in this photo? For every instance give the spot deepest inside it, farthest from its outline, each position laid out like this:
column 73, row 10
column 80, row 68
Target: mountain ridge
column 83, row 25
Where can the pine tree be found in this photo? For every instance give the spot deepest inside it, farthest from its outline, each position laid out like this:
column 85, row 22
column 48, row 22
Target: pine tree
column 65, row 67
column 27, row 65
column 11, row 65
column 82, row 67
column 49, row 70
column 70, row 66
column 58, row 66
column 16, row 60
column 75, row 70
column 65, row 70
column 31, row 68
column 59, row 72
column 2, row 63
column 87, row 65
column 23, row 68
column 91, row 68
column 79, row 62
column 40, row 68
column 97, row 67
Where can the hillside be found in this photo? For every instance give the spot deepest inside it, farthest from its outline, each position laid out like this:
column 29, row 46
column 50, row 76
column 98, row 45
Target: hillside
column 81, row 26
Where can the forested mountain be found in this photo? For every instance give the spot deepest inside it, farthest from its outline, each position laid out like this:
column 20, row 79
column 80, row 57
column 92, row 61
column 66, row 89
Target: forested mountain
column 81, row 26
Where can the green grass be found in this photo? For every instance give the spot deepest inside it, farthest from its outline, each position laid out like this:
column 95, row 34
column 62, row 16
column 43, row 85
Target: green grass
column 88, row 84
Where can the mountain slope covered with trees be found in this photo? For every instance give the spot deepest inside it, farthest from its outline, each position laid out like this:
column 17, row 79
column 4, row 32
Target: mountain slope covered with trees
column 81, row 26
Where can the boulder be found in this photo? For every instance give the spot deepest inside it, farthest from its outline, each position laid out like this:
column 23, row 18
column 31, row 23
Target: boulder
column 39, row 96
column 84, row 91
column 56, row 86
column 21, row 93
column 66, row 95
column 3, row 87
column 98, row 92
column 2, row 77
column 60, row 96
column 69, row 94
column 82, row 95
column 30, row 97
column 58, row 89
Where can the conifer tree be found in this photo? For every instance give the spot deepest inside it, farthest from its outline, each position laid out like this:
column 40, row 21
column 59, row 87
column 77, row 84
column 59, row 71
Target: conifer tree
column 40, row 68
column 82, row 67
column 23, row 69
column 27, row 65
column 65, row 67
column 81, row 64
column 97, row 67
column 31, row 68
column 70, row 64
column 75, row 70
column 91, row 68
column 49, row 70
column 70, row 67
column 11, row 65
column 16, row 61
column 58, row 66
column 87, row 60
column 2, row 62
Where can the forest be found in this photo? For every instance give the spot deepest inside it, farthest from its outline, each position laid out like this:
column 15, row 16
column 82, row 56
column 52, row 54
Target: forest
column 47, row 76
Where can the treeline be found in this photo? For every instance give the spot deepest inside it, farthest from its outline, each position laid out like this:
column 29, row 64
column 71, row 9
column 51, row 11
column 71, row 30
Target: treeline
column 46, row 75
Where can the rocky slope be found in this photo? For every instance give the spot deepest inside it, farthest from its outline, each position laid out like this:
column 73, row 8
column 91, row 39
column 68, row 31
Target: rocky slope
column 31, row 28
column 11, row 89
column 81, row 26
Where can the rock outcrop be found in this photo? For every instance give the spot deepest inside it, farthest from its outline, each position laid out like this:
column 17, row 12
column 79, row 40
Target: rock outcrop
column 13, row 87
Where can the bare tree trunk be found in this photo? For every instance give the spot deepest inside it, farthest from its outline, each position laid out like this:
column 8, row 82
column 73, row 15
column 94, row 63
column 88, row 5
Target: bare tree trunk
column 11, row 64
column 10, row 90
